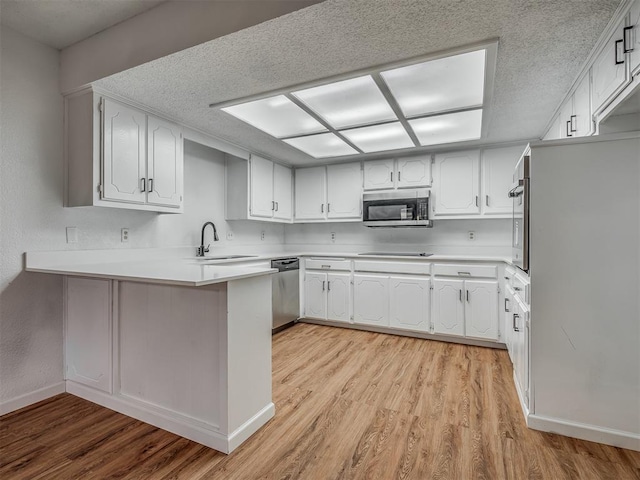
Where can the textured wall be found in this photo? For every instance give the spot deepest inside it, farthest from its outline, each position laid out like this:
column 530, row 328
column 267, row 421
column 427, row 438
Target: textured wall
column 32, row 217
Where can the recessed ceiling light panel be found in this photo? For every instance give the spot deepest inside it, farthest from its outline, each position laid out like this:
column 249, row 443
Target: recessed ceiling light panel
column 448, row 128
column 321, row 145
column 278, row 116
column 378, row 138
column 349, row 103
column 438, row 85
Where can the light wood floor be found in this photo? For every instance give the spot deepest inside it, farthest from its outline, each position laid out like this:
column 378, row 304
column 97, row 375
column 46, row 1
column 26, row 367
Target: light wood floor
column 349, row 404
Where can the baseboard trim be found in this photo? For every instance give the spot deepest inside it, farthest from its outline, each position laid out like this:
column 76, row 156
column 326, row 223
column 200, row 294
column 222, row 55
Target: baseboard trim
column 30, row 398
column 199, row 432
column 592, row 433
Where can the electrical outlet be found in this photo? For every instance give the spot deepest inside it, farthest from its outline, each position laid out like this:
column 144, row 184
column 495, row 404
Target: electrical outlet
column 124, row 235
column 333, row 236
column 472, row 235
column 229, row 235
column 262, row 235
column 72, row 234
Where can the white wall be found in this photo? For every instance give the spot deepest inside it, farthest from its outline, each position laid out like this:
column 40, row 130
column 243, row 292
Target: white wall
column 32, row 216
column 493, row 237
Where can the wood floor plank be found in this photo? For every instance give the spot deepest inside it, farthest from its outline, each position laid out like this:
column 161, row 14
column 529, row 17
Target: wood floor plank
column 349, row 405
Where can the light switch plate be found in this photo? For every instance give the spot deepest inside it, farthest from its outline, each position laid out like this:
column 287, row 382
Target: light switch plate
column 72, row 234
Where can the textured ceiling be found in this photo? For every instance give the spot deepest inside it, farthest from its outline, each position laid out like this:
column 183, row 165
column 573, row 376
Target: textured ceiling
column 60, row 23
column 542, row 47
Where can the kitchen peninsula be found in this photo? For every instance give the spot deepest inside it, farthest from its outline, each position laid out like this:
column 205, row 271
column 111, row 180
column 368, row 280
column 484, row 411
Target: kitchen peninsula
column 180, row 344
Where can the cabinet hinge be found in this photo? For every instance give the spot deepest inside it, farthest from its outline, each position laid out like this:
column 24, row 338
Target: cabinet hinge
column 100, row 188
column 430, row 287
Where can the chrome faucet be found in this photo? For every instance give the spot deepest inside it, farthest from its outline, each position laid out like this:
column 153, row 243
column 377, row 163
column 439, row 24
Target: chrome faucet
column 201, row 250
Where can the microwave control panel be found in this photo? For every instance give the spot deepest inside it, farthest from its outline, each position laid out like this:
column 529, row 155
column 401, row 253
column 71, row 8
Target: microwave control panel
column 423, row 209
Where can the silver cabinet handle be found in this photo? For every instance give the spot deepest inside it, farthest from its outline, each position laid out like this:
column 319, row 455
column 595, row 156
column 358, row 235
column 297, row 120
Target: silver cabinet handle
column 568, row 128
column 277, row 207
column 328, row 207
column 464, row 273
column 506, row 305
column 323, row 285
column 144, row 184
column 329, row 286
column 398, row 175
column 273, row 205
column 150, row 185
column 618, row 42
column 517, row 289
column 460, row 294
column 322, row 208
column 392, row 176
column 515, row 326
column 467, row 296
column 325, row 266
column 486, row 200
column 477, row 201
column 573, row 119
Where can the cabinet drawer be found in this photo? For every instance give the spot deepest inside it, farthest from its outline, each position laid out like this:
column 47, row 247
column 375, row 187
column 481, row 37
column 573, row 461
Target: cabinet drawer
column 487, row 271
column 418, row 268
column 327, row 264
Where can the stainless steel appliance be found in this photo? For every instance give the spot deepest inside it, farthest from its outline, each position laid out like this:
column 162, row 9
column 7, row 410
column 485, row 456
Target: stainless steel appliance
column 285, row 292
column 520, row 224
column 402, row 208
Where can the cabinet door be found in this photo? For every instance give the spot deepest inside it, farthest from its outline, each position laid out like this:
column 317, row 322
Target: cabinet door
column 338, row 296
column 165, row 163
column 583, row 123
column 507, row 324
column 448, row 307
column 310, row 194
column 554, row 130
column 371, row 299
column 124, row 153
column 498, row 165
column 315, row 296
column 262, row 204
column 88, row 332
column 633, row 38
column 409, row 303
column 609, row 78
column 379, row 175
column 566, row 125
column 457, row 183
column 481, row 312
column 282, row 192
column 414, row 172
column 344, row 191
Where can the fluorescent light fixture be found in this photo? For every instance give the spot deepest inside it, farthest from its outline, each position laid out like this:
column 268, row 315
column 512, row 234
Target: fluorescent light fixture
column 278, row 116
column 321, row 145
column 349, row 103
column 438, row 85
column 448, row 128
column 378, row 138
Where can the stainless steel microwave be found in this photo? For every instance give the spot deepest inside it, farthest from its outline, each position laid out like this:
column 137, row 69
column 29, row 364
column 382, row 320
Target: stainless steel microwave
column 401, row 208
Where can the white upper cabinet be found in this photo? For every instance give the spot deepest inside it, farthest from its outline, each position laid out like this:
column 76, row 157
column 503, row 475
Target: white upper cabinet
column 632, row 38
column 414, row 172
column 409, row 303
column 409, row 172
column 165, row 163
column 554, row 130
column 457, row 183
column 120, row 156
column 310, row 193
column 329, row 193
column 379, row 175
column 262, row 203
column 481, row 310
column 282, row 192
column 582, row 121
column 344, row 190
column 609, row 70
column 125, row 162
column 448, row 306
column 497, row 176
column 338, row 296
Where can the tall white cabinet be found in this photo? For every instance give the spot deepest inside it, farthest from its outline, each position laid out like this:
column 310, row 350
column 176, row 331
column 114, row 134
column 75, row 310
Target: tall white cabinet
column 120, row 156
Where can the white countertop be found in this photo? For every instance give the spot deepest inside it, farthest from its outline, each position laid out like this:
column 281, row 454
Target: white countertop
column 177, row 266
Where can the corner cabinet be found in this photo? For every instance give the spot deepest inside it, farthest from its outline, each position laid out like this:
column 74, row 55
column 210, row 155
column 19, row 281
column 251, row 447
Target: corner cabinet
column 117, row 155
column 257, row 189
column 328, row 193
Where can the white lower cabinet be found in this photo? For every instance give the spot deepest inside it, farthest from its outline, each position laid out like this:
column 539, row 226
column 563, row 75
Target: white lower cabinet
column 88, row 332
column 409, row 303
column 371, row 299
column 327, row 296
column 520, row 348
column 466, row 308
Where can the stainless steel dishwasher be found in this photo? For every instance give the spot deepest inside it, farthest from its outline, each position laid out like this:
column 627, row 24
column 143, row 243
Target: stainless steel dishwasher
column 286, row 292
